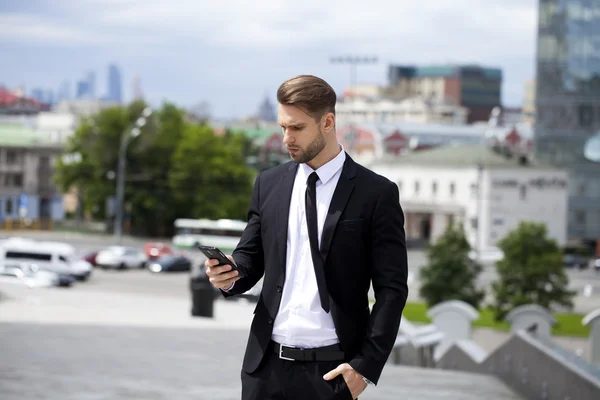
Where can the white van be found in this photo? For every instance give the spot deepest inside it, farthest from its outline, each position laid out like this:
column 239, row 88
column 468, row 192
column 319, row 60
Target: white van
column 53, row 256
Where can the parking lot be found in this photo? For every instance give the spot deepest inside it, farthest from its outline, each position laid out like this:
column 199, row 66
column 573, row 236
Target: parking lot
column 585, row 282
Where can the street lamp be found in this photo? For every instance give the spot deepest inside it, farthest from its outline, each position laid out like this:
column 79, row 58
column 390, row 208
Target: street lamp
column 130, row 133
column 591, row 151
column 353, row 61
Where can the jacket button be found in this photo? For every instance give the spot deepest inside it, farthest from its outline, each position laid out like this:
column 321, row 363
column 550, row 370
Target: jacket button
column 279, row 289
column 270, row 320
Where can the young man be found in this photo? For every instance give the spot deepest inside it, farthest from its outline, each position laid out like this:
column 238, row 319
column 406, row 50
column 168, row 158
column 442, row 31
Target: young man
column 321, row 229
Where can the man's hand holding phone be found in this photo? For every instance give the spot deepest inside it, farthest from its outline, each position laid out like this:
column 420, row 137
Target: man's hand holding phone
column 221, row 276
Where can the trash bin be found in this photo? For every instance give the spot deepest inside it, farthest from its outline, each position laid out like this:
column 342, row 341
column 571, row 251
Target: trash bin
column 203, row 294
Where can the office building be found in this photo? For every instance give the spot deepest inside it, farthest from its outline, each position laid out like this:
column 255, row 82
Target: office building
column 114, row 92
column 476, row 88
column 568, row 103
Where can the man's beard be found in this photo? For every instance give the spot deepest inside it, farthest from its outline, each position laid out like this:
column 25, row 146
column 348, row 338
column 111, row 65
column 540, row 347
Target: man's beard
column 313, row 149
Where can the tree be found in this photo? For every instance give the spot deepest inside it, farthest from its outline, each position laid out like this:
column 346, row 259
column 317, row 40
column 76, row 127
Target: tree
column 209, row 177
column 451, row 274
column 531, row 271
column 150, row 160
column 95, row 144
column 170, row 167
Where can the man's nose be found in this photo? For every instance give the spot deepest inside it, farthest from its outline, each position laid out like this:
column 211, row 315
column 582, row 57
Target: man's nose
column 287, row 138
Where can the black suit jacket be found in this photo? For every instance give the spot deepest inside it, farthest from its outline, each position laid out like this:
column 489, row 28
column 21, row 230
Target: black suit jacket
column 363, row 241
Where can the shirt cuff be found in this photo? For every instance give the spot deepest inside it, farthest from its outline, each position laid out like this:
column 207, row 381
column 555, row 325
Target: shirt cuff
column 368, row 382
column 230, row 287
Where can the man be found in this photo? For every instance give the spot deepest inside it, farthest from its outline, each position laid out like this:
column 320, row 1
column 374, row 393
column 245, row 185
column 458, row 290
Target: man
column 320, row 228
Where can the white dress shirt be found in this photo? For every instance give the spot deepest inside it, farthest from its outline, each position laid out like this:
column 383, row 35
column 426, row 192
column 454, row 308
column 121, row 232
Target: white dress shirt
column 301, row 321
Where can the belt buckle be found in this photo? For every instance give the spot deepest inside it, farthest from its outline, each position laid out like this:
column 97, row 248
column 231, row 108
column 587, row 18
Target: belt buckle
column 281, row 352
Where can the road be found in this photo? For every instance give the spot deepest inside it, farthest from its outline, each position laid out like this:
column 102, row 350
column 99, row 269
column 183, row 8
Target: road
column 585, row 301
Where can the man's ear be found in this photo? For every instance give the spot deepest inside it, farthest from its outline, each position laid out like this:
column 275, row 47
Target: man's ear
column 328, row 122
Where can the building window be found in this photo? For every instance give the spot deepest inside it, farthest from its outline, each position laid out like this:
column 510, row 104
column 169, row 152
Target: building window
column 8, row 207
column 434, row 188
column 18, row 180
column 44, row 162
column 581, row 189
column 452, row 189
column 11, row 157
column 473, row 190
column 580, row 217
column 417, row 187
column 523, row 192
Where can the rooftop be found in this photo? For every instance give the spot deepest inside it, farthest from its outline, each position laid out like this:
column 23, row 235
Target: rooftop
column 457, row 156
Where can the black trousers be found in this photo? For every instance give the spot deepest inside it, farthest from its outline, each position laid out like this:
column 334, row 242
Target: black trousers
column 293, row 380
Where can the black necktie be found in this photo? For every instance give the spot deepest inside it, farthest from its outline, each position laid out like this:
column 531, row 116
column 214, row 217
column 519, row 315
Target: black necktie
column 313, row 238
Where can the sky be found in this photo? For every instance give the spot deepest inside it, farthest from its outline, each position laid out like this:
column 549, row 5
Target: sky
column 233, row 53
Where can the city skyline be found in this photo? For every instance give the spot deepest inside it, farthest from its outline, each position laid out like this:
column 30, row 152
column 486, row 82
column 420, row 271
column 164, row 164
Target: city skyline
column 231, row 53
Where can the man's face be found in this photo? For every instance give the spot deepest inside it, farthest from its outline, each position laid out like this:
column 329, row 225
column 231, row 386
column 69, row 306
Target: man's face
column 302, row 135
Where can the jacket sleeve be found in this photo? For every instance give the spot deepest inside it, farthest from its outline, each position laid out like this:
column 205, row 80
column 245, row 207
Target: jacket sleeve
column 389, row 278
column 248, row 255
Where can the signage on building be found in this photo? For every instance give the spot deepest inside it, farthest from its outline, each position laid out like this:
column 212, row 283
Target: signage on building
column 23, row 200
column 540, row 183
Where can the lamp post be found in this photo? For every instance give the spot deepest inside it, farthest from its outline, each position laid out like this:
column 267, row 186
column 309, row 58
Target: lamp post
column 591, row 150
column 353, row 61
column 130, row 133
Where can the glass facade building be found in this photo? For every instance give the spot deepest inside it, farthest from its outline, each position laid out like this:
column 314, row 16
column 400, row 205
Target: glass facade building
column 568, row 103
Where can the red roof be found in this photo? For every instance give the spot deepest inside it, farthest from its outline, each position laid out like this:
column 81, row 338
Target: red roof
column 513, row 137
column 396, row 142
column 8, row 99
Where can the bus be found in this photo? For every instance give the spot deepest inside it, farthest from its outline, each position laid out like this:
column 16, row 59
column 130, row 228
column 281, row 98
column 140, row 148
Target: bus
column 223, row 233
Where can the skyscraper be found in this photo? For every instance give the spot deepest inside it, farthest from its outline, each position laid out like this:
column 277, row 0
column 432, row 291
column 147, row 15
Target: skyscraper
column 91, row 79
column 63, row 92
column 136, row 87
column 474, row 87
column 114, row 92
column 266, row 111
column 38, row 94
column 568, row 103
column 82, row 90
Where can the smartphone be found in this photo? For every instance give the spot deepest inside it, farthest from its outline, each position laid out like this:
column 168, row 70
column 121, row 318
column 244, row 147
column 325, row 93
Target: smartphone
column 215, row 253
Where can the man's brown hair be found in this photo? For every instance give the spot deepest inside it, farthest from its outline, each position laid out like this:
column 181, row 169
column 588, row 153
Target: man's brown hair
column 312, row 94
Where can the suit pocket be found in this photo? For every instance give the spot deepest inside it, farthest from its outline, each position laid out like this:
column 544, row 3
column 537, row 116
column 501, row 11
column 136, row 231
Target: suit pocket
column 340, row 388
column 350, row 225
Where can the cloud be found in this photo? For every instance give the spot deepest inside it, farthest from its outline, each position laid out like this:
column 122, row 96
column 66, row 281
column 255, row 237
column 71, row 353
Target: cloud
column 23, row 27
column 452, row 28
column 277, row 38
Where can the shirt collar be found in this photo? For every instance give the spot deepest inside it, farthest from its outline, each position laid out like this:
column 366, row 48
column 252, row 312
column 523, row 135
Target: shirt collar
column 329, row 169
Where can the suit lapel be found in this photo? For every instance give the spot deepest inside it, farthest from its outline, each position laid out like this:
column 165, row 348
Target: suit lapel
column 340, row 198
column 283, row 211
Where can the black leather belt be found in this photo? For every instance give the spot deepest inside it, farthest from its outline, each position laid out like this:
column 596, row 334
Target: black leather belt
column 290, row 353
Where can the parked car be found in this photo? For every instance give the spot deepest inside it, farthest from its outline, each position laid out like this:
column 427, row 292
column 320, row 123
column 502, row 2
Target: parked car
column 32, row 276
column 90, row 257
column 170, row 264
column 574, row 261
column 120, row 257
column 64, row 280
column 155, row 250
column 53, row 256
column 596, row 264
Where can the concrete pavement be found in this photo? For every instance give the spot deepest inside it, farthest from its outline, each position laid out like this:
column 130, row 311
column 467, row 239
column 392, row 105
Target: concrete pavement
column 103, row 340
column 127, row 362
